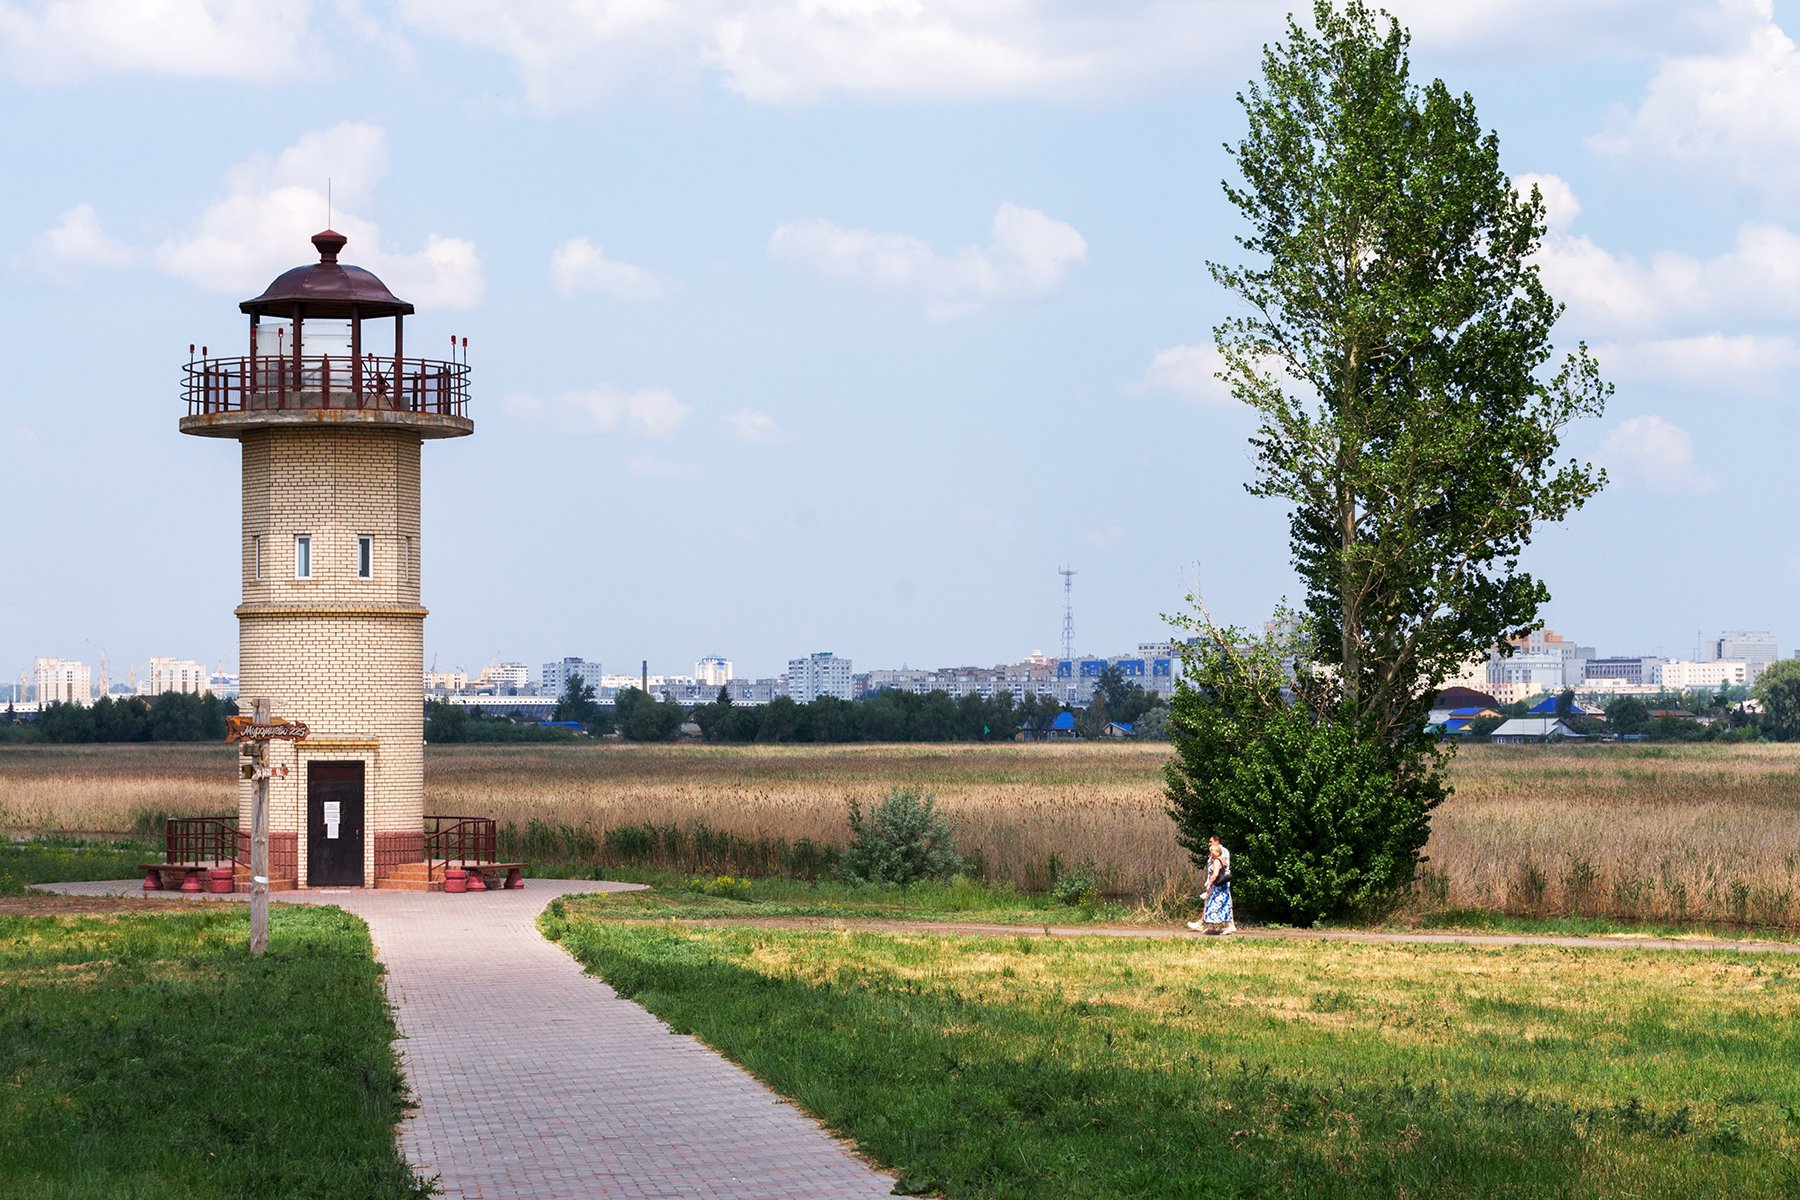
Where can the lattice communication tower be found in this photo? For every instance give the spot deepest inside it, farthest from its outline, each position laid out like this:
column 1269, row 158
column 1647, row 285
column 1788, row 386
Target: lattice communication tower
column 1068, row 612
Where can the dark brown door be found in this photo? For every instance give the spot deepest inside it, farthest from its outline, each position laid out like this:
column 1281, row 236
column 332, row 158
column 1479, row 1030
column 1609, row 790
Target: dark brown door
column 334, row 824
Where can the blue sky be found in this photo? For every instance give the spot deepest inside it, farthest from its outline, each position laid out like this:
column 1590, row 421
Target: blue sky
column 840, row 324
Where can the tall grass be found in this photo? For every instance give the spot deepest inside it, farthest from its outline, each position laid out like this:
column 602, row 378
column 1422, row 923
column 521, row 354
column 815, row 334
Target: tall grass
column 1686, row 833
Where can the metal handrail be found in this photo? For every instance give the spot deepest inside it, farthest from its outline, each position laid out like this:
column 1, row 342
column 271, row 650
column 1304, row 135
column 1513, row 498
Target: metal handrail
column 270, row 384
column 463, row 839
column 204, row 839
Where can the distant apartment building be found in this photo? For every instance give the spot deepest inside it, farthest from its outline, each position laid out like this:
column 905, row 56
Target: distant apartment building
column 62, row 680
column 821, row 674
column 1681, row 676
column 224, row 684
column 752, row 691
column 713, row 670
column 444, row 683
column 557, row 674
column 1541, row 661
column 178, row 675
column 505, row 678
column 1755, row 648
column 1633, row 670
column 1154, row 667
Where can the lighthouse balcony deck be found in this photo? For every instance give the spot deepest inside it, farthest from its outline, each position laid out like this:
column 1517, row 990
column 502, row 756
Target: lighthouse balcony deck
column 224, row 396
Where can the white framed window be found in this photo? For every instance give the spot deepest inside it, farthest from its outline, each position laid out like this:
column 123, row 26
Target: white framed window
column 256, row 556
column 302, row 556
column 365, row 557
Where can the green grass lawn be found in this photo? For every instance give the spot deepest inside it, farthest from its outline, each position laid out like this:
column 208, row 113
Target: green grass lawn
column 147, row 1056
column 1098, row 1067
column 63, row 860
column 727, row 896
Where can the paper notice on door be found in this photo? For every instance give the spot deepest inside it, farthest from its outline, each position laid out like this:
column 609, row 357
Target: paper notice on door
column 333, row 812
column 331, row 829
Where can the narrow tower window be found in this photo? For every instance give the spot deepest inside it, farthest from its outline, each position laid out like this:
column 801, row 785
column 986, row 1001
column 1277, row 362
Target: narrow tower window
column 256, row 556
column 365, row 558
column 302, row 556
column 406, row 560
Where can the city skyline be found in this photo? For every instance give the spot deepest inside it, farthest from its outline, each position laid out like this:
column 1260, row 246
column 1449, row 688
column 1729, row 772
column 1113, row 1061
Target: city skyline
column 816, row 339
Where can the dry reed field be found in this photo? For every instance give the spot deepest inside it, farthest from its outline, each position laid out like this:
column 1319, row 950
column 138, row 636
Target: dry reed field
column 1677, row 832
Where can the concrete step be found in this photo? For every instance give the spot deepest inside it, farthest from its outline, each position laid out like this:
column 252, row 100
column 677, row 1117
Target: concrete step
column 391, row 884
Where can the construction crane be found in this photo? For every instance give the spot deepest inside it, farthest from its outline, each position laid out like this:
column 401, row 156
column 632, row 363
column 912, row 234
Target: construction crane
column 105, row 684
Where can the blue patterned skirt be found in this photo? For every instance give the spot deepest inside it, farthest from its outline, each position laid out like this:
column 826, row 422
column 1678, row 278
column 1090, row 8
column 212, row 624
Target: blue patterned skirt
column 1218, row 905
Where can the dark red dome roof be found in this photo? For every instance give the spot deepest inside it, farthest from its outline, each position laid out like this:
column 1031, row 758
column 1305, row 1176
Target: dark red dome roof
column 327, row 288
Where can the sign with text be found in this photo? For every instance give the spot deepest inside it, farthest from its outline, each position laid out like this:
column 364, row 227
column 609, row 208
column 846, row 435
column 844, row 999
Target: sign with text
column 278, row 729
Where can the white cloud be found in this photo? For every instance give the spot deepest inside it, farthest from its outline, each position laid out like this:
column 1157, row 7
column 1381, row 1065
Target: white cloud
column 781, row 51
column 75, row 245
column 1735, row 112
column 1029, row 255
column 260, row 227
column 1560, row 205
column 1710, row 360
column 646, row 412
column 579, row 265
column 646, row 467
column 1758, row 279
column 747, row 425
column 1189, row 372
column 1652, row 453
column 58, row 41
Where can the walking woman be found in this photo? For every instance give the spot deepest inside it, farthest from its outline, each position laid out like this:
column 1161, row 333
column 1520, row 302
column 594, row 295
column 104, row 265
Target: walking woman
column 1216, row 908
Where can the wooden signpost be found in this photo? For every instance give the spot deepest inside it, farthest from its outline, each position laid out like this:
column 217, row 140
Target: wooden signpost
column 259, row 729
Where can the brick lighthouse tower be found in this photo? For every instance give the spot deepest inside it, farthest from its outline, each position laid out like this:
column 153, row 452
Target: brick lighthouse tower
column 331, row 416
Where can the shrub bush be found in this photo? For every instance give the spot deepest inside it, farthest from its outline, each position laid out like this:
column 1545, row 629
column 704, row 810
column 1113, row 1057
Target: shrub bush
column 902, row 840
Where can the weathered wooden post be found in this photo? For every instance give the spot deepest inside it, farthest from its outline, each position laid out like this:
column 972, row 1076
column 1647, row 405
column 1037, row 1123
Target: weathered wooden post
column 261, row 713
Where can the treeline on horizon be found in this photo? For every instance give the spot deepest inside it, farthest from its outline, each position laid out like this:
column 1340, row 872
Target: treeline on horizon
column 170, row 717
column 886, row 716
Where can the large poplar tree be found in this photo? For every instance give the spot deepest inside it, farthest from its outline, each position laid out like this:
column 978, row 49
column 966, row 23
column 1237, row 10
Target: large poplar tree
column 1395, row 348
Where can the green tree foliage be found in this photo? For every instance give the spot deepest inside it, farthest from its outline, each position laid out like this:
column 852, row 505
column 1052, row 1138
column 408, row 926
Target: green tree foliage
column 446, row 722
column 1627, row 714
column 902, row 840
column 1396, row 356
column 577, row 703
column 640, row 717
column 1315, row 819
column 1777, row 690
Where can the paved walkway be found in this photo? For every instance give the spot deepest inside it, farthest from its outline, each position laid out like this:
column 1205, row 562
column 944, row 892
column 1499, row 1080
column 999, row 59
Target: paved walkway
column 533, row 1079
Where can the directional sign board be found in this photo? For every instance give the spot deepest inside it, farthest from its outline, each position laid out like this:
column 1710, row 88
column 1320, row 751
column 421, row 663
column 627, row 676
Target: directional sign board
column 276, row 729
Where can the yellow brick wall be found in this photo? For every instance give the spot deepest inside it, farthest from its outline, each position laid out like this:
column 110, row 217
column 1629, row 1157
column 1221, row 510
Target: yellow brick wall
column 343, row 654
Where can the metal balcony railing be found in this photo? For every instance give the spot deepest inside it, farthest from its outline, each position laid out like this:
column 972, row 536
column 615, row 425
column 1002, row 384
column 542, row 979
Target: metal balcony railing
column 457, row 839
column 248, row 384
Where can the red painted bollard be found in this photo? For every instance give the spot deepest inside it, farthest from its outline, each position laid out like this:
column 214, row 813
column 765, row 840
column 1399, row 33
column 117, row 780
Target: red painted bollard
column 221, row 880
column 153, row 880
column 476, row 882
column 190, row 881
column 456, row 880
column 514, row 879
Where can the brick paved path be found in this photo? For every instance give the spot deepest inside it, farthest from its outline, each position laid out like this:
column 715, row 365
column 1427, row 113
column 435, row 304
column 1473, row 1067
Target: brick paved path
column 536, row 1080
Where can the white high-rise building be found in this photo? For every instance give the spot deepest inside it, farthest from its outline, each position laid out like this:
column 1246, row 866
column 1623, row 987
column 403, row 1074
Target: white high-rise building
column 1755, row 648
column 557, row 674
column 505, row 677
column 178, row 675
column 62, row 680
column 822, row 674
column 713, row 670
column 1688, row 676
